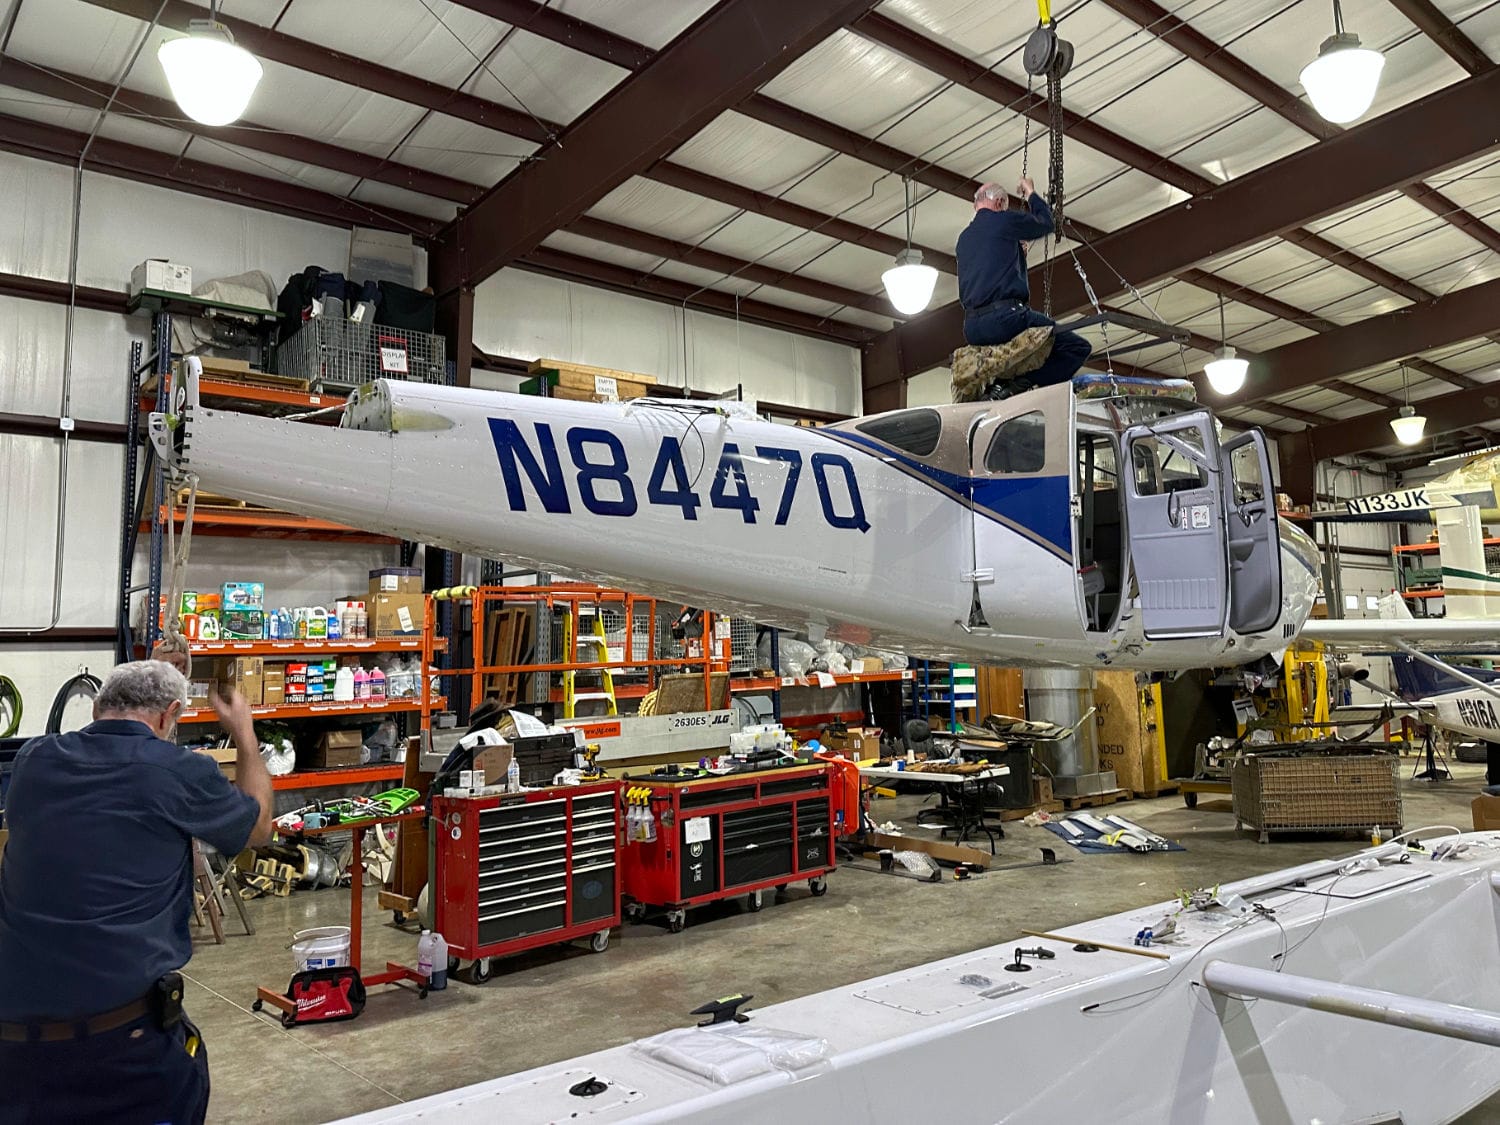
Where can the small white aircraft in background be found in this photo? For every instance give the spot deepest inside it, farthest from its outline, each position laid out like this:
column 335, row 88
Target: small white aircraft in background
column 1103, row 523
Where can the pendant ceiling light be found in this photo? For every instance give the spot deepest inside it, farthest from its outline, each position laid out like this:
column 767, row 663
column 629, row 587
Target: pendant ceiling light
column 211, row 78
column 1408, row 425
column 1226, row 371
column 1341, row 81
column 909, row 283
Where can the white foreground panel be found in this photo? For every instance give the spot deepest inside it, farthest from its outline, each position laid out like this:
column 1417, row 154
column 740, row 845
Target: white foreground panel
column 1105, row 1036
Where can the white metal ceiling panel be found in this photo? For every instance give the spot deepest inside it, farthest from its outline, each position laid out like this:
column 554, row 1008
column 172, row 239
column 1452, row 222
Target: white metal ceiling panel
column 959, row 129
column 654, row 23
column 854, row 267
column 78, row 37
column 213, row 151
column 937, row 221
column 1476, row 358
column 263, row 12
column 1243, row 145
column 463, row 150
column 1183, row 103
column 1484, row 28
column 1176, row 302
column 980, row 29
column 867, row 319
column 649, row 206
column 1119, row 200
column 1377, row 224
column 853, row 190
column 34, row 107
column 1313, row 292
column 544, row 78
column 431, row 40
column 1436, row 248
column 706, row 279
column 1373, row 301
column 745, row 151
column 1265, row 264
column 602, row 251
column 853, row 82
column 752, row 237
column 1482, row 265
column 1271, row 335
column 1113, row 57
column 384, row 195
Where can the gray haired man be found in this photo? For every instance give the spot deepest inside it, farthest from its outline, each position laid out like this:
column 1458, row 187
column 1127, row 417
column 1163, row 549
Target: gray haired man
column 96, row 893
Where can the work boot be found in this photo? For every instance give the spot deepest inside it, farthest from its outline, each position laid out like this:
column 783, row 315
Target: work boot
column 999, row 391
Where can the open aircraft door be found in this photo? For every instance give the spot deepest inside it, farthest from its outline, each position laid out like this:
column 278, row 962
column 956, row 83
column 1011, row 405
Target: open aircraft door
column 1254, row 537
column 1175, row 521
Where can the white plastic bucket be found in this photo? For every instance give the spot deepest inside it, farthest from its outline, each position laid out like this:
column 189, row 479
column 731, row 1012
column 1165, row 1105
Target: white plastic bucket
column 322, row 948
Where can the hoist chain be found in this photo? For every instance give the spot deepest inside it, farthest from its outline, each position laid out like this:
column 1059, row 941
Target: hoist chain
column 1054, row 177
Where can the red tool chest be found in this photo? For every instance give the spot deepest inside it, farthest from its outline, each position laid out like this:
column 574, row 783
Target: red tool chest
column 717, row 837
column 519, row 870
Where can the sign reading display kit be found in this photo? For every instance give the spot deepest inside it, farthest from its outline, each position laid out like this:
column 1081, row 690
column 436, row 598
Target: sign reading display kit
column 393, row 361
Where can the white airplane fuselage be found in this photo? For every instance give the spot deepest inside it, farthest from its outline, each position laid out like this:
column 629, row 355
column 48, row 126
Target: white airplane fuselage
column 831, row 531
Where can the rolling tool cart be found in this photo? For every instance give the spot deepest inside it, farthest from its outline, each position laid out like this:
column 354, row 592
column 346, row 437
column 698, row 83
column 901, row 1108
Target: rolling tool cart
column 520, row 870
column 712, row 837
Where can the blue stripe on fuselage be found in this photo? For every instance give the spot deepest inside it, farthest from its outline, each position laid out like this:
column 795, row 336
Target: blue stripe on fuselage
column 1037, row 504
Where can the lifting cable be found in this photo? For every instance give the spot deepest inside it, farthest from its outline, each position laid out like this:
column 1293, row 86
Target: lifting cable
column 1047, row 56
column 172, row 638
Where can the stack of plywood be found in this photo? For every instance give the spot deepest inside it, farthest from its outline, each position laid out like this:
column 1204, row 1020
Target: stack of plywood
column 1128, row 716
column 507, row 641
column 582, row 383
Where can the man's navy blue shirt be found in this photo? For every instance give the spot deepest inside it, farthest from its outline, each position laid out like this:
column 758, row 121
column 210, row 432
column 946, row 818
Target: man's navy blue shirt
column 991, row 263
column 96, row 888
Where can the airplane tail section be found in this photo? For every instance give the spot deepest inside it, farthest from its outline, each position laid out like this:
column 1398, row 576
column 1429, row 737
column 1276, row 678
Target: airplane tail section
column 1417, row 679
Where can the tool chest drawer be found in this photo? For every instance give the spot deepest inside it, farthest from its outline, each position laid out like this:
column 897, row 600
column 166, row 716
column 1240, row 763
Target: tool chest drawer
column 514, row 871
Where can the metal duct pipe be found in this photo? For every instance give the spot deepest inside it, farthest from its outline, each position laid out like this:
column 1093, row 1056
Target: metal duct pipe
column 1062, row 696
column 1373, row 1004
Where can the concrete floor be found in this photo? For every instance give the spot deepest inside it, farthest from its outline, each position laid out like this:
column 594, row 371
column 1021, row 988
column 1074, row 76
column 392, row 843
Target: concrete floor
column 563, row 1001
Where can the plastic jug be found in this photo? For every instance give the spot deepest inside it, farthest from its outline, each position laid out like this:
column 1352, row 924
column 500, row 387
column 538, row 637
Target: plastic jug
column 361, row 684
column 377, row 684
column 439, row 979
column 343, row 685
column 424, row 954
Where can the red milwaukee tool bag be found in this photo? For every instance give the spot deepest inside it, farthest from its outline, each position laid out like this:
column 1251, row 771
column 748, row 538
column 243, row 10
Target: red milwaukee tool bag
column 322, row 995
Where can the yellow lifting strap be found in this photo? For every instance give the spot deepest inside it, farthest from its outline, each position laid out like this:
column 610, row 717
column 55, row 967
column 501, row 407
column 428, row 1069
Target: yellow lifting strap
column 1044, row 11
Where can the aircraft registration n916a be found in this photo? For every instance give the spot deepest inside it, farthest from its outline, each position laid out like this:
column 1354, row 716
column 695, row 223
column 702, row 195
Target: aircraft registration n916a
column 1102, row 522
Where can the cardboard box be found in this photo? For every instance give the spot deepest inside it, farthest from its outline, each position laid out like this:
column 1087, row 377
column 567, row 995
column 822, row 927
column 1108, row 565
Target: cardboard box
column 861, row 743
column 162, row 276
column 397, row 615
column 199, row 692
column 226, row 756
column 494, row 762
column 336, row 748
column 273, row 685
column 1486, row 813
column 242, row 595
column 246, row 674
column 396, row 580
column 242, row 624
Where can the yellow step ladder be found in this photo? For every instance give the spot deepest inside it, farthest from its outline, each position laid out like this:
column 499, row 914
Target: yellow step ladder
column 596, row 645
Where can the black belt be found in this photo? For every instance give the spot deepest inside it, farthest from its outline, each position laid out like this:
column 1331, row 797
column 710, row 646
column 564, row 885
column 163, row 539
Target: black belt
column 1004, row 303
column 57, row 1031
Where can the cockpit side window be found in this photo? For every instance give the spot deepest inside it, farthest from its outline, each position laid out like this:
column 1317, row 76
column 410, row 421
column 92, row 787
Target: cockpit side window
column 912, row 431
column 1019, row 445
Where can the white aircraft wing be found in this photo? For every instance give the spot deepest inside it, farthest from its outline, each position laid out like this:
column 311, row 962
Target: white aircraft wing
column 1439, row 633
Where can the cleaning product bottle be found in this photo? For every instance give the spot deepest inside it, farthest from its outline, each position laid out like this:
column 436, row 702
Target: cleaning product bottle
column 343, row 685
column 334, row 628
column 513, row 777
column 361, row 684
column 377, row 684
column 439, row 978
column 424, row 954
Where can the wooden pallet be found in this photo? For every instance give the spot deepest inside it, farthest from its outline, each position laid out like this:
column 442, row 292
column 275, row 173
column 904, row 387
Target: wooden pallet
column 1151, row 794
column 507, row 641
column 265, row 380
column 1093, row 800
column 211, row 500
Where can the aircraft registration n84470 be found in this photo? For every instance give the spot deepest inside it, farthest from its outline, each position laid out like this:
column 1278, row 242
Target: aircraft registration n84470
column 1104, row 522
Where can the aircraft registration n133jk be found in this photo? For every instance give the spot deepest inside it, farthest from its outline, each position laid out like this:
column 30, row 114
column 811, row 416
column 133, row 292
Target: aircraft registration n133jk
column 1103, row 522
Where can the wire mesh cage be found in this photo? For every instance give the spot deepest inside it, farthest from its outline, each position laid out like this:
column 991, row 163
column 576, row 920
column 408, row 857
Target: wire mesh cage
column 1318, row 792
column 334, row 353
column 742, row 633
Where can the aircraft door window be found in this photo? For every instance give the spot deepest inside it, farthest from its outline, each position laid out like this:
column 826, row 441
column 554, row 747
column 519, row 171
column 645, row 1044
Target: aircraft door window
column 1019, row 445
column 1244, row 463
column 1163, row 466
column 912, row 431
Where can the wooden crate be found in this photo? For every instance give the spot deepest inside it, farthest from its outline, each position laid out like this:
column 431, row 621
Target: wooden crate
column 582, row 383
column 1316, row 792
column 1128, row 718
column 507, row 641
